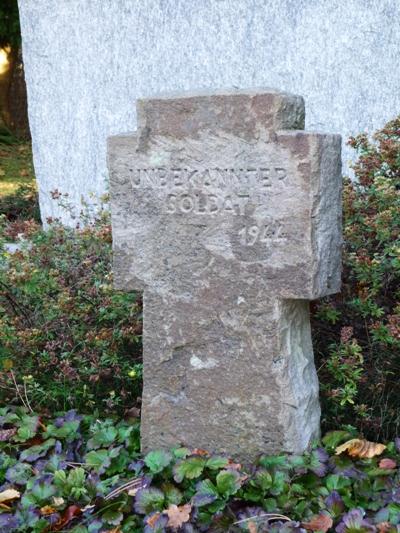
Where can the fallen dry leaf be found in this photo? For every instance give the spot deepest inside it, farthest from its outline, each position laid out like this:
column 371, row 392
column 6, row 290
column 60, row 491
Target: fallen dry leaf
column 321, row 522
column 58, row 501
column 177, row 516
column 387, row 464
column 70, row 513
column 199, row 451
column 5, row 507
column 384, row 527
column 23, row 172
column 360, row 448
column 151, row 521
column 9, row 495
column 46, row 510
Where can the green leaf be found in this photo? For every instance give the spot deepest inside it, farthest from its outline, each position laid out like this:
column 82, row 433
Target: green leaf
column 98, row 460
column 27, row 429
column 378, row 472
column 335, row 482
column 60, row 478
column 190, row 468
column 173, row 495
column 76, row 477
column 42, row 492
column 149, row 500
column 39, row 450
column 270, row 505
column 394, row 513
column 120, row 462
column 297, row 461
column 157, row 460
column 181, row 453
column 279, row 483
column 67, row 431
column 112, row 517
column 228, row 482
column 206, row 486
column 333, row 438
column 263, row 479
column 217, row 462
column 269, row 461
column 103, row 437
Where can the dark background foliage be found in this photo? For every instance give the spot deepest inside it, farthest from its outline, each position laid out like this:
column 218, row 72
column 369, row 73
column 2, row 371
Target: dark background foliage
column 66, row 337
column 357, row 332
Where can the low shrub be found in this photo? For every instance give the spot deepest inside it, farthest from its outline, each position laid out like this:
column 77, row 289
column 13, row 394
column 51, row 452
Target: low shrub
column 357, row 333
column 18, row 191
column 67, row 339
column 84, row 475
column 21, row 205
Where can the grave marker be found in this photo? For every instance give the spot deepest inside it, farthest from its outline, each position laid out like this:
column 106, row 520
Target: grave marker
column 228, row 217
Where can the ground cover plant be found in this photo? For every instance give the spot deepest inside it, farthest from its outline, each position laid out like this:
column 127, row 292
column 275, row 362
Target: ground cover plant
column 357, row 332
column 67, row 339
column 76, row 473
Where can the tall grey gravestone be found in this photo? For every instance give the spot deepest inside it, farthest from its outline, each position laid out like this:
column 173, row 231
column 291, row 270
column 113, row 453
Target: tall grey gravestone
column 228, row 216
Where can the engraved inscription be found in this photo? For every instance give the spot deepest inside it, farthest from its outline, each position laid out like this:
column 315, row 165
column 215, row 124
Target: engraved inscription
column 264, row 233
column 206, row 204
column 206, row 178
column 207, row 191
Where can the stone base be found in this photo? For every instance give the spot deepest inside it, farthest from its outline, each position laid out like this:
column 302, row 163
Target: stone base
column 239, row 380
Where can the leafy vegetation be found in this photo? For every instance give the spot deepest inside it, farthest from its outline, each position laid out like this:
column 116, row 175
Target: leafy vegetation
column 67, row 339
column 357, row 332
column 18, row 194
column 84, row 475
column 16, row 168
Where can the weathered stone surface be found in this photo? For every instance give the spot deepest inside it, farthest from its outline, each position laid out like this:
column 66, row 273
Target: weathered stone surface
column 230, row 224
column 86, row 61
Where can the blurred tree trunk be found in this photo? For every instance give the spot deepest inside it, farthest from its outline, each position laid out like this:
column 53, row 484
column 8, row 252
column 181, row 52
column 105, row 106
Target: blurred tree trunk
column 17, row 100
column 13, row 99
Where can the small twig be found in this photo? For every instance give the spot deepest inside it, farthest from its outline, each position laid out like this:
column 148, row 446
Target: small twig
column 14, row 303
column 17, row 389
column 129, row 485
column 26, row 398
column 270, row 516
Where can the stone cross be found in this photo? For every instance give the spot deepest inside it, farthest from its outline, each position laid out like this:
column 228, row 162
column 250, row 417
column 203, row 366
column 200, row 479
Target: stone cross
column 228, row 216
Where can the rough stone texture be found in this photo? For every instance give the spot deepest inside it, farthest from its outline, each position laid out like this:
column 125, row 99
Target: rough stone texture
column 87, row 61
column 229, row 224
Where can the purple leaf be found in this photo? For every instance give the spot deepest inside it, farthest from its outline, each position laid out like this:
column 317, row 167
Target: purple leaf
column 70, row 416
column 354, row 521
column 321, row 455
column 334, row 502
column 8, row 522
column 396, row 495
column 136, row 466
column 203, row 499
column 19, row 473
